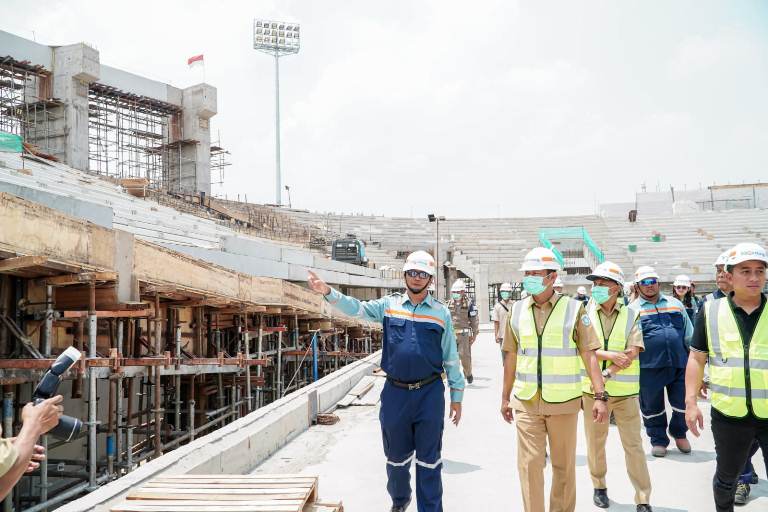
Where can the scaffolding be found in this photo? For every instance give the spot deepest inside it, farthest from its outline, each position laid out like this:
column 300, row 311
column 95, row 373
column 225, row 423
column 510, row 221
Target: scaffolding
column 219, row 161
column 168, row 369
column 133, row 136
column 27, row 108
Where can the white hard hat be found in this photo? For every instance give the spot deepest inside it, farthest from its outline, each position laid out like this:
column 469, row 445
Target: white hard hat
column 558, row 283
column 722, row 259
column 506, row 287
column 682, row 280
column 608, row 270
column 645, row 272
column 420, row 260
column 581, row 290
column 540, row 258
column 746, row 251
column 458, row 286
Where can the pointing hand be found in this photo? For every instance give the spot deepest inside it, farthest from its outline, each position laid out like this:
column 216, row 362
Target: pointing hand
column 317, row 284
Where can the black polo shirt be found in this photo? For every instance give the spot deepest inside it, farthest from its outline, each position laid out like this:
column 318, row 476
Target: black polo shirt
column 746, row 323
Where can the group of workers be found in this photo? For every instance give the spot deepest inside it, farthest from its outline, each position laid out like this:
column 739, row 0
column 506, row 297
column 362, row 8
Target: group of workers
column 615, row 355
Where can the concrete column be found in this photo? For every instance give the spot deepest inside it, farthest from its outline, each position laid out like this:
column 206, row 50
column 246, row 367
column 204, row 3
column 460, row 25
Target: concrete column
column 74, row 67
column 199, row 104
column 481, row 292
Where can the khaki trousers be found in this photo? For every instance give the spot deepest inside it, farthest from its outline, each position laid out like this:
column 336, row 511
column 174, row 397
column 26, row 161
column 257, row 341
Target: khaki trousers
column 465, row 352
column 533, row 432
column 626, row 410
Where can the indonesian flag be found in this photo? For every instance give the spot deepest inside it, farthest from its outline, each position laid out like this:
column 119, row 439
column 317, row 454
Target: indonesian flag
column 196, row 60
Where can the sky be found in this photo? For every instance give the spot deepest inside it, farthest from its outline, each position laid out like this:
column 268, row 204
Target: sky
column 466, row 109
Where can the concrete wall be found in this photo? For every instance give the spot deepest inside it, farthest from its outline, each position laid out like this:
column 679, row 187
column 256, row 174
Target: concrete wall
column 136, row 84
column 240, row 446
column 269, row 263
column 686, row 201
column 98, row 214
column 24, row 49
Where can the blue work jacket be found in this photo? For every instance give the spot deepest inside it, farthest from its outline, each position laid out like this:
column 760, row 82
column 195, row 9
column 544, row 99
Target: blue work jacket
column 418, row 339
column 667, row 332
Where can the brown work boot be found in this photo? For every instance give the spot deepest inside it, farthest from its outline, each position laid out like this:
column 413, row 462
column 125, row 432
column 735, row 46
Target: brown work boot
column 683, row 445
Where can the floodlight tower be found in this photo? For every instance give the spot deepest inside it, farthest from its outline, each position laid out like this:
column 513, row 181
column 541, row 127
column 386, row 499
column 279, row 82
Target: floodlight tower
column 276, row 38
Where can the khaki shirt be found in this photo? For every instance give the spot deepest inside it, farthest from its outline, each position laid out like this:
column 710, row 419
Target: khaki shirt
column 499, row 314
column 586, row 339
column 460, row 316
column 8, row 455
column 635, row 335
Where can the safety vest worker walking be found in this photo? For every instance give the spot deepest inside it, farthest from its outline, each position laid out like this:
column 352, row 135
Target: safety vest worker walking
column 618, row 328
column 547, row 338
column 733, row 335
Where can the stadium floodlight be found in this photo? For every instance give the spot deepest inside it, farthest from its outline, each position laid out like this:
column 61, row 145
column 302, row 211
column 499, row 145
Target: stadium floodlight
column 276, row 38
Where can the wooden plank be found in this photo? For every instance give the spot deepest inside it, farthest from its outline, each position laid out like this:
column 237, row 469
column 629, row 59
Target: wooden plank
column 84, row 277
column 323, row 507
column 21, row 262
column 191, row 506
column 110, row 314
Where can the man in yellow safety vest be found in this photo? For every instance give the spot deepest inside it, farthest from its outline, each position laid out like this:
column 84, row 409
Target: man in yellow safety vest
column 733, row 335
column 617, row 327
column 547, row 337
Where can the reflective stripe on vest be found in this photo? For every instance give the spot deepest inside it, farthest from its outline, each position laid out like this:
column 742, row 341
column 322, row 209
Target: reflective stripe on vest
column 738, row 378
column 626, row 382
column 550, row 362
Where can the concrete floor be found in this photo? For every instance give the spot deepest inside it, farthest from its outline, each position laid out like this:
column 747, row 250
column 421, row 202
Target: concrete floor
column 479, row 471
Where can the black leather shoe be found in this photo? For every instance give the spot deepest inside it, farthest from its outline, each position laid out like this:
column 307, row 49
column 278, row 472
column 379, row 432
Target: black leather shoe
column 401, row 508
column 600, row 498
column 643, row 507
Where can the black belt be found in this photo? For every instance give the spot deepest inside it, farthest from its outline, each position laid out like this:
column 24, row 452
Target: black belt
column 410, row 386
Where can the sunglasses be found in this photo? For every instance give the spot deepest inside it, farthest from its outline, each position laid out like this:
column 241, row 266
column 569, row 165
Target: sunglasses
column 681, row 287
column 648, row 282
column 417, row 273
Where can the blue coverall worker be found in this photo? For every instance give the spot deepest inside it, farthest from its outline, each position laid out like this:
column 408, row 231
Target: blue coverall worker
column 418, row 345
column 667, row 331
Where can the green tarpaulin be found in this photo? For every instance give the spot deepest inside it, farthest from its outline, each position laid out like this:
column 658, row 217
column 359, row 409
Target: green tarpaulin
column 10, row 143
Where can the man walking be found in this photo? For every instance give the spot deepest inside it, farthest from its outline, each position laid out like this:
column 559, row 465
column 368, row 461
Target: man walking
column 667, row 331
column 733, row 335
column 418, row 345
column 546, row 339
column 466, row 324
column 617, row 327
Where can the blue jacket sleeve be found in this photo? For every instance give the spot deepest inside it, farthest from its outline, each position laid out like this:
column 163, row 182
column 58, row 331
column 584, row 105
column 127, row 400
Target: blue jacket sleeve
column 451, row 362
column 372, row 310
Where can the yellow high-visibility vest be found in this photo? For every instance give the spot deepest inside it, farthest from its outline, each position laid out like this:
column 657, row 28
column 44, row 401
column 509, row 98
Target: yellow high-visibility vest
column 626, row 382
column 549, row 362
column 738, row 378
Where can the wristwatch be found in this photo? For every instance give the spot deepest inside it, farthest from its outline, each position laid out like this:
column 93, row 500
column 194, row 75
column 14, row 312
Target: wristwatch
column 603, row 397
column 607, row 374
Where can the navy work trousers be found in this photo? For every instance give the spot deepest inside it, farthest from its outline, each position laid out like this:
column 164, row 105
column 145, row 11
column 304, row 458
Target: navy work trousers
column 412, row 430
column 653, row 382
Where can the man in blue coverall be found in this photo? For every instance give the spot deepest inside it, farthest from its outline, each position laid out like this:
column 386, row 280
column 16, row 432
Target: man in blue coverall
column 418, row 345
column 667, row 332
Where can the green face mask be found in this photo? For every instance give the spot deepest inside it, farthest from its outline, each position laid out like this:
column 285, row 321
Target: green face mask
column 456, row 296
column 505, row 295
column 534, row 285
column 601, row 294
